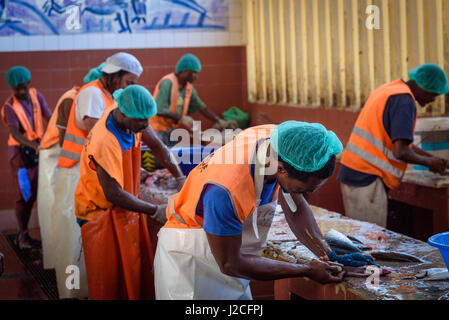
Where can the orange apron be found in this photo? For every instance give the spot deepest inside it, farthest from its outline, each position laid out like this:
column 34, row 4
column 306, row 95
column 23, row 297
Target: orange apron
column 116, row 242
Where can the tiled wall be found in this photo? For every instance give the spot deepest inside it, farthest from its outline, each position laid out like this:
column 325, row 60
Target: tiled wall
column 150, row 39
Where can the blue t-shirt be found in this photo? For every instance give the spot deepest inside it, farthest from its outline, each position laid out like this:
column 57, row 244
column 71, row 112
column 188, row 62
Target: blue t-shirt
column 126, row 140
column 217, row 209
column 398, row 119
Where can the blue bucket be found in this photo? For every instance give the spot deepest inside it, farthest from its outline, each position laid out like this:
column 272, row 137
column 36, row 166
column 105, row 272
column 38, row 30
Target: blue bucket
column 441, row 241
column 189, row 157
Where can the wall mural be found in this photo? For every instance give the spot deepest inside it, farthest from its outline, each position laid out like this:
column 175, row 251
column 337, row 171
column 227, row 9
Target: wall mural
column 57, row 17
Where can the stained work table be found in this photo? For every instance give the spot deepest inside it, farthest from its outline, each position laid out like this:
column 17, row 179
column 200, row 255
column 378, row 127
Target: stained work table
column 400, row 284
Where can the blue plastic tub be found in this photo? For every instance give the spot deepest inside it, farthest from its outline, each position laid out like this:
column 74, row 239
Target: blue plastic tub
column 189, row 157
column 441, row 241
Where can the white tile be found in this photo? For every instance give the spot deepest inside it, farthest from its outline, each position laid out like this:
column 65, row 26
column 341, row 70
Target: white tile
column 208, row 39
column 194, row 38
column 109, row 41
column 66, row 42
column 7, row 43
column 95, row 41
column 36, row 43
column 235, row 9
column 21, row 43
column 167, row 39
column 180, row 39
column 221, row 38
column 153, row 39
column 236, row 39
column 123, row 41
column 138, row 40
column 80, row 42
column 51, row 42
column 235, row 24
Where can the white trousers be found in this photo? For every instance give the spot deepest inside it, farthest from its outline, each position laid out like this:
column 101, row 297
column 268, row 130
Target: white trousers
column 367, row 203
column 69, row 263
column 48, row 171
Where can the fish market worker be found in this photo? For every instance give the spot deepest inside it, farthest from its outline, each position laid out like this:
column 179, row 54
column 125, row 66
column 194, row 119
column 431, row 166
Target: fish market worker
column 380, row 145
column 93, row 99
column 176, row 98
column 48, row 161
column 23, row 114
column 113, row 219
column 211, row 245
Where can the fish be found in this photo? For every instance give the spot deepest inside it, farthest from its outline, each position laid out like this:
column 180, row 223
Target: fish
column 340, row 243
column 388, row 255
column 361, row 272
column 433, row 274
column 359, row 244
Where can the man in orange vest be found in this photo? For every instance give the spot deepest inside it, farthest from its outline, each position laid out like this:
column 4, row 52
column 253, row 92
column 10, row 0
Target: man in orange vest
column 93, row 99
column 176, row 98
column 50, row 148
column 211, row 245
column 113, row 219
column 23, row 114
column 380, row 145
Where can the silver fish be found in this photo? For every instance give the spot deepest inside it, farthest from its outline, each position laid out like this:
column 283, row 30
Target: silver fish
column 388, row 255
column 340, row 243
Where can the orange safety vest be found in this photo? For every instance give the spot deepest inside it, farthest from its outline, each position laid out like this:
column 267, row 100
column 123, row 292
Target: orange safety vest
column 75, row 137
column 51, row 135
column 116, row 242
column 228, row 167
column 370, row 149
column 30, row 134
column 159, row 123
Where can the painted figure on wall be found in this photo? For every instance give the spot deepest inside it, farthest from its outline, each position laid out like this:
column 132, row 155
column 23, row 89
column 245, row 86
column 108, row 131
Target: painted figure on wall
column 43, row 17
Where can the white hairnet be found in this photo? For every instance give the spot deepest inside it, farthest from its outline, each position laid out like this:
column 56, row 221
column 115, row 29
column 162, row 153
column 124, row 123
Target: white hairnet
column 123, row 61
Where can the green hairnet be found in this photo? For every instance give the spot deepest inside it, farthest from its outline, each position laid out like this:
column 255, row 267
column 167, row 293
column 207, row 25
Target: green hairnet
column 188, row 62
column 94, row 73
column 17, row 75
column 430, row 78
column 305, row 146
column 135, row 102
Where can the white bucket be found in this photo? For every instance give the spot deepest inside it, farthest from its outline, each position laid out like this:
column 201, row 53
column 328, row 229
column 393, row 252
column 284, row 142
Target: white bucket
column 432, row 136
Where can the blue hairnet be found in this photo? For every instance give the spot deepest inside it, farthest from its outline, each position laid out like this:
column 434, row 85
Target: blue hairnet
column 94, row 73
column 17, row 75
column 430, row 78
column 305, row 146
column 188, row 62
column 135, row 102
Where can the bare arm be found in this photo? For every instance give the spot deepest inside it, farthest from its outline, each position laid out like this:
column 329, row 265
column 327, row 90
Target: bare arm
column 89, row 122
column 226, row 250
column 304, row 226
column 414, row 155
column 171, row 115
column 15, row 132
column 209, row 114
column 119, row 197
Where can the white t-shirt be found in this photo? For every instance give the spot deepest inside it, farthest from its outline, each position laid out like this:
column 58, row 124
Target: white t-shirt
column 89, row 103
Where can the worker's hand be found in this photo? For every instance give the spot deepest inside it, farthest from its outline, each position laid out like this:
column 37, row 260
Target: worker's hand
column 160, row 214
column 324, row 272
column 180, row 182
column 438, row 165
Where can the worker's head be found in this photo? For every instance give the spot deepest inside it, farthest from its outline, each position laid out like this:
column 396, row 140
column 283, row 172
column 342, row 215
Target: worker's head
column 427, row 81
column 94, row 73
column 121, row 70
column 136, row 105
column 306, row 155
column 19, row 78
column 188, row 67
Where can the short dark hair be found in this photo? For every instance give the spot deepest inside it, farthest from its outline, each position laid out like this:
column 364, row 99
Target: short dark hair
column 111, row 78
column 324, row 173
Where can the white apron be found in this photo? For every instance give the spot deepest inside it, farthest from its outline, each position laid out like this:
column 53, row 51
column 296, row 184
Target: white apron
column 185, row 267
column 67, row 234
column 48, row 171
